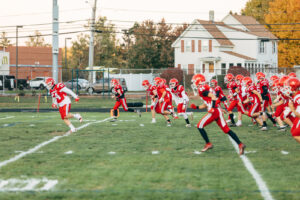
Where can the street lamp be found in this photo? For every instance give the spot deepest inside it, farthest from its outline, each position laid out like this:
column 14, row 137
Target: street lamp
column 66, row 59
column 17, row 27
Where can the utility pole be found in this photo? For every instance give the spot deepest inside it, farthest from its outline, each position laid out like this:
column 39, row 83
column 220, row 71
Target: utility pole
column 66, row 57
column 55, row 49
column 91, row 47
column 17, row 55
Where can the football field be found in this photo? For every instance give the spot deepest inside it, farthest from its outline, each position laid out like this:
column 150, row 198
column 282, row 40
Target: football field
column 134, row 159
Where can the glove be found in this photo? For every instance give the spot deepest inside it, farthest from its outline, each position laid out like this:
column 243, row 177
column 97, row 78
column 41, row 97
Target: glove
column 193, row 106
column 54, row 105
column 211, row 110
column 77, row 99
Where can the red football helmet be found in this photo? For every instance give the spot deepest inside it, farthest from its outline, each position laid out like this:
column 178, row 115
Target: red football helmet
column 282, row 80
column 239, row 77
column 292, row 74
column 200, row 80
column 247, row 81
column 260, row 75
column 146, row 84
column 157, row 81
column 275, row 86
column 273, row 78
column 49, row 83
column 213, row 82
column 293, row 83
column 195, row 77
column 164, row 81
column 228, row 78
column 173, row 83
column 114, row 82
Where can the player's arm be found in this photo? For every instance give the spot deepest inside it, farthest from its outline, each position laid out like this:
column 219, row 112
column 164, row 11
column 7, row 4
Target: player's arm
column 246, row 100
column 292, row 107
column 162, row 96
column 278, row 103
column 70, row 92
column 259, row 95
column 54, row 102
column 203, row 106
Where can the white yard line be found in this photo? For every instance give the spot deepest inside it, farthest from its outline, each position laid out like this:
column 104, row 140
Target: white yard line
column 262, row 186
column 34, row 149
column 7, row 117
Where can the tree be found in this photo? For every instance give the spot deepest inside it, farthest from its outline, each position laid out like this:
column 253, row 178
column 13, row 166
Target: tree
column 36, row 40
column 257, row 9
column 80, row 52
column 4, row 41
column 283, row 12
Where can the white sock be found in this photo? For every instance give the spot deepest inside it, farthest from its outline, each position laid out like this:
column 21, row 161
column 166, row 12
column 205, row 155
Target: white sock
column 72, row 127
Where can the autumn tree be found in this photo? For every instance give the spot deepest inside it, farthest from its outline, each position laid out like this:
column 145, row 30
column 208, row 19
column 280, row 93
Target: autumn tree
column 286, row 12
column 80, row 52
column 36, row 40
column 4, row 41
column 257, row 9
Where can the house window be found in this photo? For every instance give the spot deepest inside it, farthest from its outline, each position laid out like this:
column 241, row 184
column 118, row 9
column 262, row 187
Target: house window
column 231, row 64
column 205, row 45
column 262, row 48
column 223, row 66
column 203, row 68
column 188, row 46
column 239, row 64
column 273, row 47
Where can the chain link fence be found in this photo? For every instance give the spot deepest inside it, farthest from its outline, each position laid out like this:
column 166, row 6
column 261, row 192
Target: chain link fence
column 97, row 81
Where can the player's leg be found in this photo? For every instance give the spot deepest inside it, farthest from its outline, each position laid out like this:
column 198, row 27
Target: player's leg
column 115, row 111
column 153, row 115
column 64, row 111
column 295, row 130
column 182, row 112
column 223, row 125
column 278, row 111
column 268, row 111
column 206, row 119
column 232, row 105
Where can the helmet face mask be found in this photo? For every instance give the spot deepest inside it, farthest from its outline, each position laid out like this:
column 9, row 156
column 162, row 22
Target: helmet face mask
column 173, row 83
column 213, row 83
column 49, row 83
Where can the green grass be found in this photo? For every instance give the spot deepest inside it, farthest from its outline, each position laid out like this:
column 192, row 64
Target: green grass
column 133, row 172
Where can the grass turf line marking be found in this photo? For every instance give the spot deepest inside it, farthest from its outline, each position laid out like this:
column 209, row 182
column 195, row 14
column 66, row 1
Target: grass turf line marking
column 68, row 152
column 9, row 117
column 14, row 185
column 262, row 186
column 155, row 152
column 34, row 149
column 284, row 152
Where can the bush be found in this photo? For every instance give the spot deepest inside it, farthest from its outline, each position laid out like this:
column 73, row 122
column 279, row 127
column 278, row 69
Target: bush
column 238, row 70
column 170, row 73
column 220, row 79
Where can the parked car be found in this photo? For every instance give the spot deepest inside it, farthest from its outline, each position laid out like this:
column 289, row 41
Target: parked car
column 105, row 86
column 82, row 84
column 8, row 81
column 38, row 83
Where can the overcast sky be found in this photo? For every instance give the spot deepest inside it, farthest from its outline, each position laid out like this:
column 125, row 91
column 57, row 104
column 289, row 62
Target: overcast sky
column 121, row 12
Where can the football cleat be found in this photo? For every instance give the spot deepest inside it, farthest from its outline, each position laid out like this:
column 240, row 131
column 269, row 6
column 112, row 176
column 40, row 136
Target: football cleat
column 73, row 130
column 80, row 118
column 242, row 148
column 207, row 147
column 264, row 128
column 232, row 125
column 153, row 120
column 188, row 125
column 169, row 124
column 113, row 120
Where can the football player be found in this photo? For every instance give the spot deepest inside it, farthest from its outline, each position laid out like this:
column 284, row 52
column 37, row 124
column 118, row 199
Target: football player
column 237, row 100
column 181, row 99
column 60, row 100
column 150, row 88
column 120, row 100
column 254, row 97
column 263, row 88
column 211, row 103
column 219, row 93
column 294, row 86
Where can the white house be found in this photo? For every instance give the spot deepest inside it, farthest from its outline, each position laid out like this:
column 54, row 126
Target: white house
column 211, row 48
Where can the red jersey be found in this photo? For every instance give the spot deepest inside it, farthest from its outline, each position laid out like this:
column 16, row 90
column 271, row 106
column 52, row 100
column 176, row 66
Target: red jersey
column 179, row 92
column 253, row 97
column 203, row 91
column 219, row 89
column 119, row 87
column 231, row 87
column 262, row 83
column 151, row 89
column 296, row 100
column 60, row 93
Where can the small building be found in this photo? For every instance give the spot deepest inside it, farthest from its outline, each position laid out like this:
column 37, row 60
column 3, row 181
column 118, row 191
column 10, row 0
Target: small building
column 32, row 62
column 211, row 48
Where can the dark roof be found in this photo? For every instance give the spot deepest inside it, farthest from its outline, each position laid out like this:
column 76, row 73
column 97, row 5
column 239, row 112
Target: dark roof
column 215, row 32
column 254, row 27
column 238, row 55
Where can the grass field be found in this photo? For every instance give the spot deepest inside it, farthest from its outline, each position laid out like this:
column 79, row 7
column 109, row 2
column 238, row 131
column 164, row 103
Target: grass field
column 134, row 159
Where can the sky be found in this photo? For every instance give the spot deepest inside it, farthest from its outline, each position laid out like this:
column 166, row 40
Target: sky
column 122, row 13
